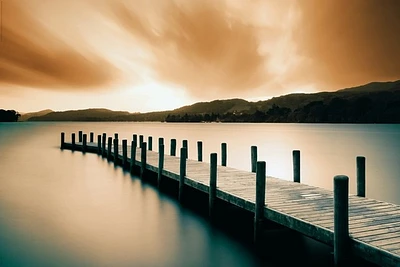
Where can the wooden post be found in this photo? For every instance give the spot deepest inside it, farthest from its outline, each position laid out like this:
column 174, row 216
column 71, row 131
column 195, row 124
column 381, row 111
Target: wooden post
column 133, row 155
column 341, row 219
column 134, row 138
column 160, row 141
column 91, row 137
column 361, row 176
column 143, row 159
column 62, row 140
column 115, row 135
column 141, row 140
column 109, row 143
column 73, row 141
column 199, row 150
column 253, row 158
column 213, row 185
column 296, row 166
column 80, row 133
column 99, row 144
column 160, row 163
column 116, row 152
column 260, row 200
column 173, row 147
column 223, row 154
column 124, row 153
column 182, row 173
column 103, row 145
column 185, row 145
column 150, row 138
column 84, row 143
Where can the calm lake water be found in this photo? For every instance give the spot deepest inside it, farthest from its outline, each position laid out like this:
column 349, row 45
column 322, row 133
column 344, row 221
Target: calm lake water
column 59, row 208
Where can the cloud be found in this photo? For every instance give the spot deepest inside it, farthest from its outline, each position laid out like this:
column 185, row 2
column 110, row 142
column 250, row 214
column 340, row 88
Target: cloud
column 33, row 56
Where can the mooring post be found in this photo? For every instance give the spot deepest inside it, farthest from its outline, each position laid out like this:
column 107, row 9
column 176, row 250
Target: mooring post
column 116, row 152
column 109, row 144
column 133, row 155
column 160, row 141
column 103, row 145
column 185, row 145
column 134, row 138
column 91, row 137
column 253, row 158
column 199, row 150
column 341, row 219
column 99, row 144
column 213, row 185
column 73, row 141
column 141, row 140
column 361, row 176
column 296, row 166
column 223, row 154
column 173, row 147
column 182, row 173
column 124, row 153
column 62, row 140
column 150, row 140
column 80, row 133
column 84, row 143
column 143, row 159
column 115, row 135
column 160, row 163
column 260, row 200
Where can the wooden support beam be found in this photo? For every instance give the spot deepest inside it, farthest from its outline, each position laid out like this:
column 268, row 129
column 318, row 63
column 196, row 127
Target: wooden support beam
column 134, row 138
column 260, row 200
column 62, row 140
column 223, row 154
column 341, row 220
column 73, row 141
column 84, row 143
column 199, row 150
column 296, row 166
column 91, row 140
column 361, row 181
column 109, row 145
column 182, row 173
column 173, row 147
column 143, row 159
column 213, row 185
column 103, row 145
column 124, row 153
column 185, row 145
column 133, row 155
column 150, row 140
column 99, row 144
column 116, row 152
column 253, row 158
column 80, row 133
column 160, row 163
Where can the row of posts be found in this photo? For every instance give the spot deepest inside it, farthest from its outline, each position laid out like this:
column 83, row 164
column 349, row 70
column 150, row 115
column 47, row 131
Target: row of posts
column 341, row 188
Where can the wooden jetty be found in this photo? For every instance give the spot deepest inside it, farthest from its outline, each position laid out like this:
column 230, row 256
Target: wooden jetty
column 351, row 224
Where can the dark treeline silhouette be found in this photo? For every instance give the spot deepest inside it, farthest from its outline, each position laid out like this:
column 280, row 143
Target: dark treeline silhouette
column 9, row 115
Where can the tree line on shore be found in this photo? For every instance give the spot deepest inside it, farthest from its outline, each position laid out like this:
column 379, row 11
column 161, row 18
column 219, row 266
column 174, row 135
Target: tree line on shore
column 9, row 115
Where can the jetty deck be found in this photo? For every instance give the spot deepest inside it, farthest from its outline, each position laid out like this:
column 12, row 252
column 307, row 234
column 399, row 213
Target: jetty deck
column 374, row 226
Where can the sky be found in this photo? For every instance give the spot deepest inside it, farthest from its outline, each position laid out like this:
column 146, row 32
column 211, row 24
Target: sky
column 147, row 55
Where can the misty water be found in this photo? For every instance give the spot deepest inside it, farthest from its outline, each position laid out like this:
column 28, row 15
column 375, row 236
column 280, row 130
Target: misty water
column 59, row 208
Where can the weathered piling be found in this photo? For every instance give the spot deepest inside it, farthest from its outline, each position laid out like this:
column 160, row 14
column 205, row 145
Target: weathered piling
column 62, row 140
column 223, row 154
column 160, row 141
column 213, row 185
column 80, row 133
column 99, row 144
column 124, row 153
column 133, row 155
column 143, row 159
column 173, row 147
column 134, row 138
column 182, row 173
column 116, row 148
column 341, row 220
column 109, row 144
column 84, row 143
column 296, row 166
column 73, row 141
column 103, row 145
column 199, row 150
column 260, row 200
column 185, row 145
column 361, row 185
column 150, row 140
column 141, row 140
column 253, row 158
column 91, row 137
column 115, row 135
column 160, row 163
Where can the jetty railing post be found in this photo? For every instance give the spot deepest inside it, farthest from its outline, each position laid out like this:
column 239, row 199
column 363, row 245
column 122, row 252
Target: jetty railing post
column 185, row 145
column 361, row 176
column 182, row 173
column 296, row 166
column 223, row 154
column 173, row 147
column 160, row 163
column 99, row 144
column 73, row 141
column 124, row 153
column 213, row 185
column 133, row 155
column 141, row 140
column 199, row 150
column 134, row 139
column 253, row 158
column 91, row 137
column 109, row 144
column 62, row 140
column 116, row 147
column 150, row 140
column 260, row 200
column 341, row 219
column 143, row 159
column 80, row 133
column 103, row 145
column 84, row 143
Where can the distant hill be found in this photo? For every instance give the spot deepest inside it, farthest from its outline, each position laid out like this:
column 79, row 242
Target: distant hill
column 377, row 102
column 27, row 116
